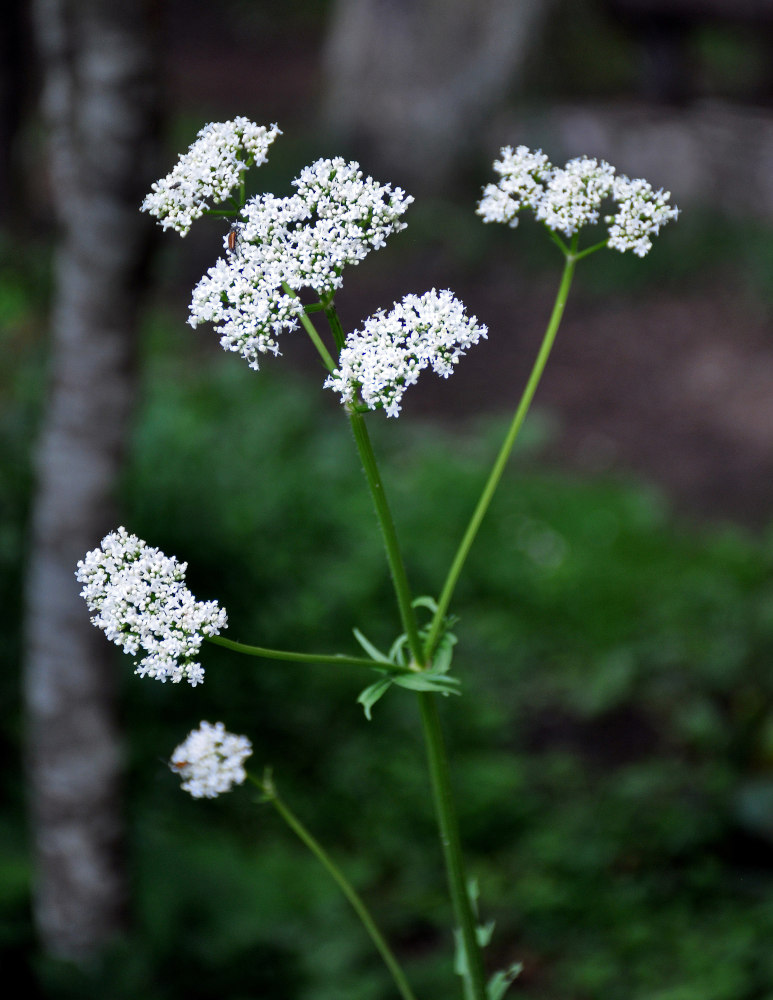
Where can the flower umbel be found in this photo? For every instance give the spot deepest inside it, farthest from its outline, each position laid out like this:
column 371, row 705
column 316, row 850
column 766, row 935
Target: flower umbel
column 208, row 172
column 303, row 241
column 522, row 174
column 570, row 197
column 381, row 360
column 137, row 596
column 641, row 213
column 573, row 196
column 210, row 760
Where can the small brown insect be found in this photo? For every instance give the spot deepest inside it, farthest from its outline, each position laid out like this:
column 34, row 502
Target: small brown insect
column 232, row 240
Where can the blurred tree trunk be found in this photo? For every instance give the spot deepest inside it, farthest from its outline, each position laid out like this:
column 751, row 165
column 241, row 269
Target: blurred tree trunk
column 414, row 82
column 15, row 94
column 99, row 105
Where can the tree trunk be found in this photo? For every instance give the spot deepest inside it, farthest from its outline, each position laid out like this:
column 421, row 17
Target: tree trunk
column 414, row 82
column 98, row 101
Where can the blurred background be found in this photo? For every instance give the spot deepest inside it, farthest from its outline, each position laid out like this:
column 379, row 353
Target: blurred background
column 614, row 747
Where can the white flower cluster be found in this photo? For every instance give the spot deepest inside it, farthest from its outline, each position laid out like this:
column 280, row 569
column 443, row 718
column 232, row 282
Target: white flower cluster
column 208, row 172
column 211, row 761
column 303, row 241
column 522, row 185
column 381, row 360
column 570, row 197
column 641, row 211
column 138, row 598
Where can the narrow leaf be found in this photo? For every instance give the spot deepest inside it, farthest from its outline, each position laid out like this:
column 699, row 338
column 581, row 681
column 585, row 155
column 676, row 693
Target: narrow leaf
column 428, row 681
column 372, row 693
column 444, row 653
column 499, row 982
column 396, row 652
column 370, row 649
column 484, row 932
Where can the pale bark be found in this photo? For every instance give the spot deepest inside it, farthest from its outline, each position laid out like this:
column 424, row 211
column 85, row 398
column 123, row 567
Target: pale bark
column 415, row 81
column 98, row 105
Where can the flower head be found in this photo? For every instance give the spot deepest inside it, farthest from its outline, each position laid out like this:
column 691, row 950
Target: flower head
column 210, row 760
column 522, row 176
column 640, row 214
column 378, row 362
column 208, row 172
column 285, row 245
column 138, row 598
column 570, row 197
column 573, row 195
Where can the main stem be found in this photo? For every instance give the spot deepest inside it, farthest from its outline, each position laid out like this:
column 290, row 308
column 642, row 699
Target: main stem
column 346, row 888
column 389, row 534
column 450, row 840
column 504, row 453
column 433, row 736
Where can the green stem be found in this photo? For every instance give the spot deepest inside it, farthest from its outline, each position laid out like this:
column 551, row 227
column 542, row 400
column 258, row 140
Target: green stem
column 501, row 461
column 451, row 842
column 389, row 534
column 336, row 659
column 343, row 884
column 335, row 323
column 309, row 327
column 433, row 736
column 384, row 514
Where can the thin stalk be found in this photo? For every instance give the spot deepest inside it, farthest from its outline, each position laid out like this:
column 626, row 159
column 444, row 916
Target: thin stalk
column 451, row 842
column 335, row 323
column 344, row 885
column 309, row 327
column 389, row 534
column 499, row 465
column 338, row 660
column 383, row 512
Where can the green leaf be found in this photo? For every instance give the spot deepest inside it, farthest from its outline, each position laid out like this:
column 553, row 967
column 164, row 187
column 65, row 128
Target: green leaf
column 396, row 653
column 370, row 649
column 461, row 965
column 425, row 602
column 484, row 932
column 372, row 693
column 498, row 984
column 426, row 680
column 444, row 653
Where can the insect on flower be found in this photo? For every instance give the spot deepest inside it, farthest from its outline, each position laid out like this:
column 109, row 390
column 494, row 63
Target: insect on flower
column 232, row 239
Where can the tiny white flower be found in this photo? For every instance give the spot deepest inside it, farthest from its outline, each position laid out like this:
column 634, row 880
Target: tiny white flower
column 567, row 198
column 303, row 241
column 208, row 173
column 137, row 596
column 378, row 362
column 210, row 760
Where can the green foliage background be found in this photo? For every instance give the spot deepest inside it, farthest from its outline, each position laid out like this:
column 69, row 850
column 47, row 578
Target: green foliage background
column 613, row 748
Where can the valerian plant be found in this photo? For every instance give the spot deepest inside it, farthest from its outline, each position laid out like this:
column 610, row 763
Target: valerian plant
column 282, row 267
